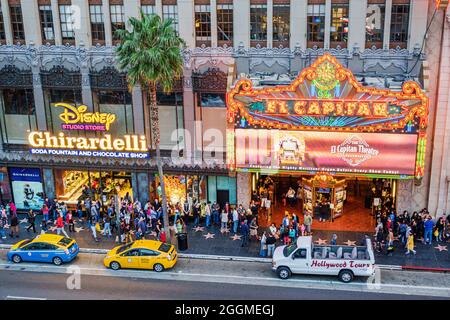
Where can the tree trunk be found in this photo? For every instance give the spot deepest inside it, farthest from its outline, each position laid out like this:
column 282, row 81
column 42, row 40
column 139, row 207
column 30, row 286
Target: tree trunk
column 156, row 138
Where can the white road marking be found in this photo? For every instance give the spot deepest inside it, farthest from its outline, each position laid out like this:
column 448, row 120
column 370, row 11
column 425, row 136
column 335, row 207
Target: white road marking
column 23, row 298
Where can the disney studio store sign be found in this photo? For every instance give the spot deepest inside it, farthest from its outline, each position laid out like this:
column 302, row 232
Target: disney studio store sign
column 100, row 145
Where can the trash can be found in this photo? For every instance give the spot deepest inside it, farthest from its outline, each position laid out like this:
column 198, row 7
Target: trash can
column 182, row 241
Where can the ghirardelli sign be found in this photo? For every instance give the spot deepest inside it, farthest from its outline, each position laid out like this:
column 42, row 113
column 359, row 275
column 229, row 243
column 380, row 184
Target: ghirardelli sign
column 354, row 151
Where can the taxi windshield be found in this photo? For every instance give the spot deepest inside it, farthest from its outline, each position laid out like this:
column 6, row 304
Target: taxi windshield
column 124, row 247
column 25, row 242
column 64, row 241
column 164, row 247
column 289, row 249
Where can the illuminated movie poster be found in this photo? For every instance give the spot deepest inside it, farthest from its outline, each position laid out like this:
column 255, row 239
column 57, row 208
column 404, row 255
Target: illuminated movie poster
column 346, row 152
column 27, row 188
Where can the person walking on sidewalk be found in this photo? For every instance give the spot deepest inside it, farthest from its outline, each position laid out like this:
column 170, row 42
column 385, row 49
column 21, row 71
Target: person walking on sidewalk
column 70, row 221
column 263, row 248
column 44, row 227
column 428, row 226
column 45, row 211
column 91, row 223
column 14, row 225
column 31, row 221
column 270, row 242
column 410, row 245
column 244, row 232
column 3, row 223
column 308, row 222
column 60, row 226
column 235, row 221
column 208, row 214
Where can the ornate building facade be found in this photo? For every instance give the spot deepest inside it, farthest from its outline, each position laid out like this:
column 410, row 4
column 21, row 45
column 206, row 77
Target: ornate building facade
column 63, row 51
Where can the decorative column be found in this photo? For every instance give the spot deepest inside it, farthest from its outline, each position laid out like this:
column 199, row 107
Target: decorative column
column 244, row 184
column 417, row 23
column 31, row 22
column 107, row 22
column 387, row 25
column 49, row 183
column 7, row 21
column 56, row 22
column 213, row 5
column 404, row 196
column 159, row 8
column 299, row 15
column 241, row 23
column 327, row 32
column 186, row 22
column 269, row 23
column 131, row 9
column 83, row 26
column 357, row 24
column 138, row 110
column 143, row 187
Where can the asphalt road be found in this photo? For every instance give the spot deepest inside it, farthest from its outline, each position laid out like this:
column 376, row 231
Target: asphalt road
column 33, row 285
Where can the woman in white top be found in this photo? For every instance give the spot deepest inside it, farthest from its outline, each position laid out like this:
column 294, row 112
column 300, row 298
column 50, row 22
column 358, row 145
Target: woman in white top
column 224, row 220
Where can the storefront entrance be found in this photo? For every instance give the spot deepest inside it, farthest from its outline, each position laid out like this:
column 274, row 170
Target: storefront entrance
column 343, row 203
column 73, row 185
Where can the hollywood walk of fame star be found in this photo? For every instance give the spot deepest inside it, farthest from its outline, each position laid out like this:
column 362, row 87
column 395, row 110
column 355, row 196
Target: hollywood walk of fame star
column 78, row 229
column 441, row 248
column 53, row 228
column 197, row 229
column 320, row 241
column 209, row 235
column 225, row 230
column 350, row 243
column 153, row 234
column 25, row 220
column 236, row 237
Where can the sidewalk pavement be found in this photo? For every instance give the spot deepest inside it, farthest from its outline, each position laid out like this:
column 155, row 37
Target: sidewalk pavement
column 210, row 241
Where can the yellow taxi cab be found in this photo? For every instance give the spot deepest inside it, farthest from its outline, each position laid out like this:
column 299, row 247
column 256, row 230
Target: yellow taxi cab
column 142, row 254
column 44, row 248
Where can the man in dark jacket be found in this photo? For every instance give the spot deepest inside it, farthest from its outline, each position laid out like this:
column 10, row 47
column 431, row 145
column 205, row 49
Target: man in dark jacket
column 244, row 231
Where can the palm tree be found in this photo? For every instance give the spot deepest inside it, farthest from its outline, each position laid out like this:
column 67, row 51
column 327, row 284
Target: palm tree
column 151, row 54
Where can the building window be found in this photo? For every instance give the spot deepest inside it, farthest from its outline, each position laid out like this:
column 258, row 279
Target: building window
column 171, row 120
column 18, row 115
column 215, row 100
column 148, row 9
column 375, row 24
column 339, row 23
column 119, row 103
column 281, row 20
column 97, row 23
column 17, row 23
column 67, row 23
column 171, row 12
column 54, row 96
column 117, row 20
column 316, row 23
column 203, row 23
column 2, row 25
column 45, row 13
column 399, row 24
column 225, row 22
column 258, row 22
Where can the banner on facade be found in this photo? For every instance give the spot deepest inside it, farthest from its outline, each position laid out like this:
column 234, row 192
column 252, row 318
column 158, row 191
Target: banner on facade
column 340, row 152
column 27, row 188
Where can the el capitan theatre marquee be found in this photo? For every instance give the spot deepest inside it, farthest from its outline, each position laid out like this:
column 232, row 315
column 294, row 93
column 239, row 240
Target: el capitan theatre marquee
column 326, row 121
column 77, row 118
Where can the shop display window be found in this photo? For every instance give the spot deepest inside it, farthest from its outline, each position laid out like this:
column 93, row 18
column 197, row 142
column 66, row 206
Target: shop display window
column 72, row 185
column 17, row 115
column 180, row 188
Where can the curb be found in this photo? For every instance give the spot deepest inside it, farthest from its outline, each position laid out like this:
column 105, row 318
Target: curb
column 256, row 260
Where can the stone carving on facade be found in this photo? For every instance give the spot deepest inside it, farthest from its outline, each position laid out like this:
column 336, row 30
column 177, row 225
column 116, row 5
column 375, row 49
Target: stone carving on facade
column 60, row 77
column 13, row 77
column 108, row 78
column 213, row 80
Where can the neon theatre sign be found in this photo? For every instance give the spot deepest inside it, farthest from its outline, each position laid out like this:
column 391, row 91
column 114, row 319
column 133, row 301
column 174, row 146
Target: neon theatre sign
column 129, row 146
